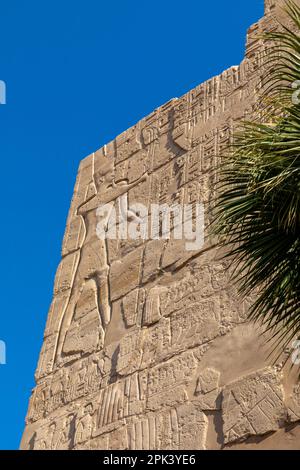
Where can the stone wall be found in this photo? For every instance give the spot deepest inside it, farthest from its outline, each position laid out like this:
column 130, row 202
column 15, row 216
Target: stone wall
column 147, row 345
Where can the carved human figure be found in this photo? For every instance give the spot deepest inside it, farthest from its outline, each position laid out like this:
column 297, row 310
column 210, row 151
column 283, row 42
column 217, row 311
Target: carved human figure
column 64, row 437
column 93, row 259
column 50, row 437
column 84, row 425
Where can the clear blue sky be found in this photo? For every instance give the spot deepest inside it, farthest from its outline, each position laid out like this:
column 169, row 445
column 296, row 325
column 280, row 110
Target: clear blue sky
column 78, row 73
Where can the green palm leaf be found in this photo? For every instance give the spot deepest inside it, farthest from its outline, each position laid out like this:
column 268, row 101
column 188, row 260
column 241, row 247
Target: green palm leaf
column 257, row 209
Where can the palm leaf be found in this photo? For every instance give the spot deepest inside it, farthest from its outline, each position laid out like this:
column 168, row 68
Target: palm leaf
column 257, row 209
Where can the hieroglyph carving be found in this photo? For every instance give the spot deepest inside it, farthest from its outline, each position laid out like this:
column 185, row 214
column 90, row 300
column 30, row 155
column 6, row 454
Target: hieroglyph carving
column 147, row 344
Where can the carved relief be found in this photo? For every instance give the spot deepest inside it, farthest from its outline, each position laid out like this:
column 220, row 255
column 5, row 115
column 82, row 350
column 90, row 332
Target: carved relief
column 152, row 312
column 294, row 405
column 130, row 307
column 118, row 401
column 131, row 354
column 127, row 144
column 64, row 439
column 253, row 405
column 208, row 391
column 166, row 382
column 84, row 425
column 193, row 427
column 182, row 132
column 65, row 386
column 86, row 333
column 46, row 359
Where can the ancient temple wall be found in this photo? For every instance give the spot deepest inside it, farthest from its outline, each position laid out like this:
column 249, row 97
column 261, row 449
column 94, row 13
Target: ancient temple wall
column 147, row 345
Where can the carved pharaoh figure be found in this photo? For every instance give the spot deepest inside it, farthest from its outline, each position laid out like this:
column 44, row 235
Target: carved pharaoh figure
column 93, row 260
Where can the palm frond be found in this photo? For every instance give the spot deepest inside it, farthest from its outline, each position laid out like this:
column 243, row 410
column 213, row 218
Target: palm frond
column 257, row 210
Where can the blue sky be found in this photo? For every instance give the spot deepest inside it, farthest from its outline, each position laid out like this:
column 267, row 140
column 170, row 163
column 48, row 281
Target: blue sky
column 78, row 73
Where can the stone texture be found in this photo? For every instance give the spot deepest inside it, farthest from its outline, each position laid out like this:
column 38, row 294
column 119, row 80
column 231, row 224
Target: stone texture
column 253, row 405
column 294, row 405
column 208, row 390
column 146, row 344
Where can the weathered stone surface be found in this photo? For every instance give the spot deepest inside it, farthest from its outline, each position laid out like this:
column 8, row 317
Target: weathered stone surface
column 193, row 427
column 294, row 405
column 146, row 343
column 253, row 406
column 208, row 391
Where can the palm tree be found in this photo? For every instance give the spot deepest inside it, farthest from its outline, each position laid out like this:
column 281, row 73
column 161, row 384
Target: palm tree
column 257, row 210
